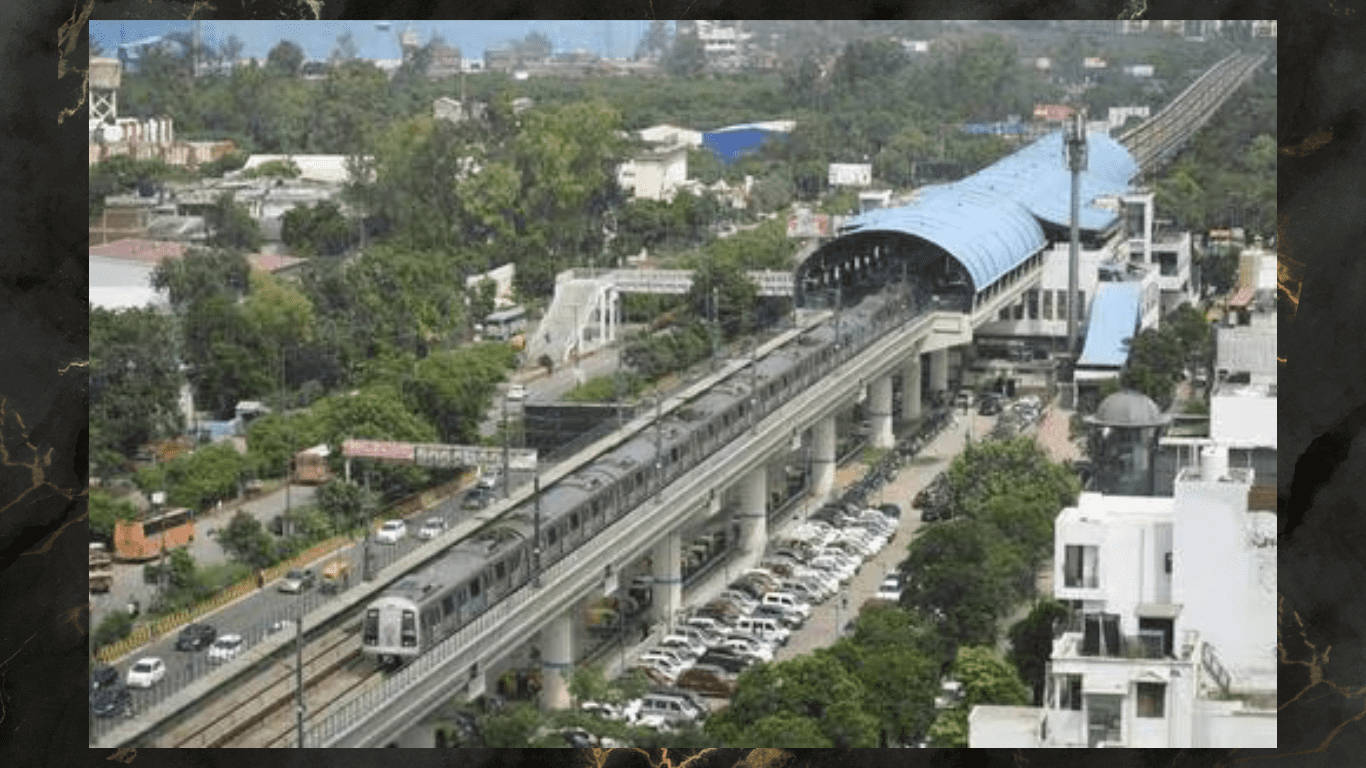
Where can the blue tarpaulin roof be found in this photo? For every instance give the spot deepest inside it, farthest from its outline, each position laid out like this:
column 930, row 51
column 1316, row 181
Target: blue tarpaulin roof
column 988, row 234
column 1037, row 177
column 732, row 141
column 1113, row 319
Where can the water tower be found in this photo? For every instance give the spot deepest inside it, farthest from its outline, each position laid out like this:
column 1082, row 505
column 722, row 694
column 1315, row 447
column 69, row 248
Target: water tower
column 1124, row 432
column 104, row 87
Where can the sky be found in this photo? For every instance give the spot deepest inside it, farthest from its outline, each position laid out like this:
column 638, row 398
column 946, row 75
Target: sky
column 318, row 37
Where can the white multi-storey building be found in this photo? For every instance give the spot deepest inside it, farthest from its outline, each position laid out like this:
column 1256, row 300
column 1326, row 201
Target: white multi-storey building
column 1171, row 641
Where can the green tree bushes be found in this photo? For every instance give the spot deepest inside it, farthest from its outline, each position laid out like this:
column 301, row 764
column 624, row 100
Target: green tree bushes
column 348, row 506
column 686, row 57
column 1031, row 644
column 197, row 480
column 453, row 389
column 285, row 58
column 135, row 380
column 986, row 679
column 815, row 688
column 246, row 541
column 949, row 574
column 106, row 511
column 115, row 626
column 231, row 226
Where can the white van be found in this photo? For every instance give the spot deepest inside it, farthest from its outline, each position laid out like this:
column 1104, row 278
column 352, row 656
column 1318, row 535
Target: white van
column 788, row 602
column 763, row 628
column 656, row 708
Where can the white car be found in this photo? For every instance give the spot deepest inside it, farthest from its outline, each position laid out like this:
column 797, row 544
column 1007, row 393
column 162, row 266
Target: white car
column 687, row 647
column 889, row 590
column 516, row 392
column 391, row 532
column 661, row 665
column 668, row 656
column 225, row 648
column 146, row 672
column 750, row 648
column 431, row 528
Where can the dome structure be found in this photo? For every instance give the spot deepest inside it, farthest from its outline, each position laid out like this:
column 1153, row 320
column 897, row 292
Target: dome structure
column 1128, row 409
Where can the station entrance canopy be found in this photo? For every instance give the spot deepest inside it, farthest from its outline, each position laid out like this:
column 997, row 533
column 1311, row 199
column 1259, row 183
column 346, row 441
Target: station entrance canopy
column 980, row 227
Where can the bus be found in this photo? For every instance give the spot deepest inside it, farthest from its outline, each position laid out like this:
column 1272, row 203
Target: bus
column 143, row 539
column 505, row 323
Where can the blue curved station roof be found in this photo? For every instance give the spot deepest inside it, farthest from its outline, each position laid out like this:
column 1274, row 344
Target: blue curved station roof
column 1113, row 318
column 988, row 234
column 1037, row 177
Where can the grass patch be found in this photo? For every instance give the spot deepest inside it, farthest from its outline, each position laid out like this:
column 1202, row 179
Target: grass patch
column 605, row 389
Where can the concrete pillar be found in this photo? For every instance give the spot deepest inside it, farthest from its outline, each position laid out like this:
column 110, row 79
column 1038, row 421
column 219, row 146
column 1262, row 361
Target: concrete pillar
column 939, row 370
column 557, row 660
column 910, row 389
column 880, row 412
column 823, row 456
column 666, row 568
column 753, row 513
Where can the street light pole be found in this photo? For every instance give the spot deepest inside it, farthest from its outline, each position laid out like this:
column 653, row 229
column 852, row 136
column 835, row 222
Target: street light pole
column 299, row 678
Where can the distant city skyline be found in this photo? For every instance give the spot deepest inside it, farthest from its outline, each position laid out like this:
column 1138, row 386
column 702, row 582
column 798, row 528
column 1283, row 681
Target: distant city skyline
column 374, row 41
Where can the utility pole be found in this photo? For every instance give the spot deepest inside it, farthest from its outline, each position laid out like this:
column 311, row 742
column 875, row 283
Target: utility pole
column 505, row 444
column 536, row 533
column 1076, row 162
column 299, row 677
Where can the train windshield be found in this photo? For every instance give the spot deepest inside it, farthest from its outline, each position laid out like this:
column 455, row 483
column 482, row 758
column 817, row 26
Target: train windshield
column 372, row 626
column 408, row 630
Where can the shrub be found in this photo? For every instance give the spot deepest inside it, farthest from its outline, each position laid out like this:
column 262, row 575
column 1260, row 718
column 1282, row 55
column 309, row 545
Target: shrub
column 111, row 629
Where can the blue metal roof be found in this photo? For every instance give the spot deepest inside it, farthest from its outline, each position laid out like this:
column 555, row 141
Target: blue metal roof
column 1113, row 319
column 990, row 235
column 1037, row 178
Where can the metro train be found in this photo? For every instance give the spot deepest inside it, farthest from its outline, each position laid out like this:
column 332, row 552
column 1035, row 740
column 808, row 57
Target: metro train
column 431, row 603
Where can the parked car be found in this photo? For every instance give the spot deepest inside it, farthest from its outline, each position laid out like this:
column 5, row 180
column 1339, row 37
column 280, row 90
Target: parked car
column 889, row 589
column 710, row 680
column 225, row 648
column 516, row 392
column 431, row 528
column 890, row 510
column 687, row 647
column 726, row 659
column 657, row 708
column 604, row 710
column 196, row 637
column 111, row 700
column 146, row 672
column 391, row 532
column 296, row 581
column 747, row 647
column 490, row 480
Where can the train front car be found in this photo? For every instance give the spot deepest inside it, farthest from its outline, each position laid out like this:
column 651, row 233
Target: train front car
column 389, row 633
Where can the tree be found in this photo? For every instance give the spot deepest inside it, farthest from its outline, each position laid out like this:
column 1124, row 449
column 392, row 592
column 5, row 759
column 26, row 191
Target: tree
column 1155, row 364
column 246, row 541
column 453, row 389
column 231, row 226
column 106, row 511
column 986, row 679
column 869, row 60
column 348, row 506
column 899, row 672
column 687, row 56
column 285, row 58
column 1031, row 643
column 945, row 578
column 209, row 474
column 318, row 230
column 135, row 379
column 202, row 273
column 815, row 687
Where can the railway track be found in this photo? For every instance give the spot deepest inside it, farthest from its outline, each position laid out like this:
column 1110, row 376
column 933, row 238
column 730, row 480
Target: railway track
column 1154, row 141
column 237, row 713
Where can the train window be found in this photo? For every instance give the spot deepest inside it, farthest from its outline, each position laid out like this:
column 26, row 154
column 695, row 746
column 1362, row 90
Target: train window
column 516, row 560
column 499, row 571
column 460, row 597
column 573, row 521
column 372, row 626
column 551, row 537
column 673, row 455
column 408, row 630
column 595, row 507
column 448, row 605
column 474, row 588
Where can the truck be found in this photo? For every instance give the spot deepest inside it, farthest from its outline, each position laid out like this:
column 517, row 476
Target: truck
column 101, row 568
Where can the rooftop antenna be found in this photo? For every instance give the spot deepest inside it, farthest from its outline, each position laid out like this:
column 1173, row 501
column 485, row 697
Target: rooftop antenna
column 1075, row 144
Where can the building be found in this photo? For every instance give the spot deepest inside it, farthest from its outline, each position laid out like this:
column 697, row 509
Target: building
column 725, row 45
column 655, row 173
column 671, row 134
column 121, row 271
column 1171, row 637
column 733, row 141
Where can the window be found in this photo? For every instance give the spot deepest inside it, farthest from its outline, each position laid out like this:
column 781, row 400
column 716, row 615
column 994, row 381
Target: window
column 499, row 570
column 1080, row 566
column 1032, row 301
column 474, row 588
column 1062, row 305
column 1069, row 692
column 448, row 604
column 1168, row 559
column 1151, row 699
column 1005, row 314
column 1047, row 305
column 1081, row 306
